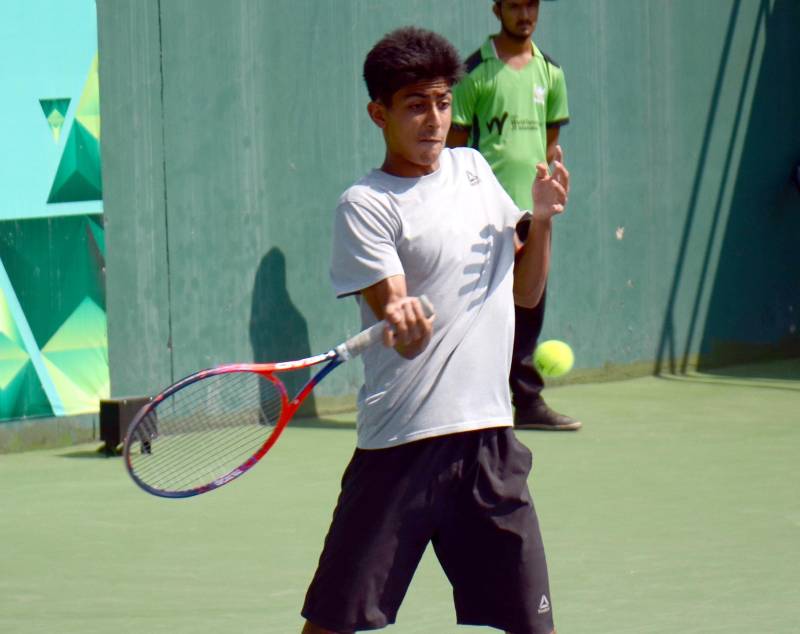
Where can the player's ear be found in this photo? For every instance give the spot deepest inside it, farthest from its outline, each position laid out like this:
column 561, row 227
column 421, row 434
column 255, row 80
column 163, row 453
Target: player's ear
column 496, row 10
column 377, row 112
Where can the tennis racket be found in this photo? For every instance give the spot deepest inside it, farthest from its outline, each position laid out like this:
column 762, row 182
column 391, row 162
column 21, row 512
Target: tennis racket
column 215, row 425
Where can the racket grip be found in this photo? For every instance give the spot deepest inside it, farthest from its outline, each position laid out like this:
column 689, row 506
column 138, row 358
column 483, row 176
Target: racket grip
column 363, row 340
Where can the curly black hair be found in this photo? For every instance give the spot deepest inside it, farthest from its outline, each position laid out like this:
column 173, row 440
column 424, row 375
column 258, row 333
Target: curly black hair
column 407, row 56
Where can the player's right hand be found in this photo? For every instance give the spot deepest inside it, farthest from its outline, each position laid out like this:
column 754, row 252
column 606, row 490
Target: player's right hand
column 408, row 330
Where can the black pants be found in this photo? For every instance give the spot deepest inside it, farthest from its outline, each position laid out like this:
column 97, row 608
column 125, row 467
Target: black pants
column 525, row 381
column 467, row 495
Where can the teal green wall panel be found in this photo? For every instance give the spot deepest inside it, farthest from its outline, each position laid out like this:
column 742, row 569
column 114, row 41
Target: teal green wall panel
column 230, row 129
column 663, row 98
column 133, row 186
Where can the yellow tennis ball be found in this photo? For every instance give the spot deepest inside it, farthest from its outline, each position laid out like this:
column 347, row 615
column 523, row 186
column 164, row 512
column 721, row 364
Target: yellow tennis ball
column 553, row 358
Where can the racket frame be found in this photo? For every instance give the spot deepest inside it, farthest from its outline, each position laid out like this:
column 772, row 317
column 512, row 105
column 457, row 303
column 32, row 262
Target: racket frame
column 265, row 370
column 351, row 348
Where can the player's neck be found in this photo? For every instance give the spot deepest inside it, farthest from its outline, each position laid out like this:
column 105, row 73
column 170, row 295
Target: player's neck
column 512, row 50
column 398, row 165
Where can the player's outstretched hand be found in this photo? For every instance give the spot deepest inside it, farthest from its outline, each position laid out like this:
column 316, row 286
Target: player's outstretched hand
column 408, row 330
column 550, row 190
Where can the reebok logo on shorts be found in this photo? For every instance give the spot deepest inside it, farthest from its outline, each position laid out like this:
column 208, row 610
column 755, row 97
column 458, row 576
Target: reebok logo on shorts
column 544, row 605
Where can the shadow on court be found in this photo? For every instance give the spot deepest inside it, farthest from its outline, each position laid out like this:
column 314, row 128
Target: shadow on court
column 344, row 423
column 777, row 375
column 780, row 371
column 90, row 454
column 321, row 423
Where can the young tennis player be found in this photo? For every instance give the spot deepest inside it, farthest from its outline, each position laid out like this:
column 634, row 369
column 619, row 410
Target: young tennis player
column 437, row 460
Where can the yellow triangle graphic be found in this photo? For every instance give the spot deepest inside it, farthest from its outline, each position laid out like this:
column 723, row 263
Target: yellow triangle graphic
column 84, row 328
column 7, row 325
column 73, row 398
column 88, row 111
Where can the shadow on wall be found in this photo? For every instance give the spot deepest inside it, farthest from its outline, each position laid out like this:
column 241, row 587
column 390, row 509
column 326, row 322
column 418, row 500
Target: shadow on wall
column 755, row 285
column 754, row 310
column 278, row 331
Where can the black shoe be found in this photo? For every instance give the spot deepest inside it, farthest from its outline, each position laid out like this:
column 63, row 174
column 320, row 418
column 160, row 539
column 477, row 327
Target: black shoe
column 540, row 416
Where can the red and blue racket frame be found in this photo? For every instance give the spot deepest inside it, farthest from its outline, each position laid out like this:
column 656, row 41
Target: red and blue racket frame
column 143, row 424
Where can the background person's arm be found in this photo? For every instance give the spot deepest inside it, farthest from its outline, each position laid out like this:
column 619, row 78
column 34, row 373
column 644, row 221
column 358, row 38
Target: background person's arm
column 552, row 142
column 458, row 136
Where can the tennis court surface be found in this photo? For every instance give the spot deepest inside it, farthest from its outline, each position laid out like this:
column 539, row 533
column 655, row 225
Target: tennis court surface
column 675, row 509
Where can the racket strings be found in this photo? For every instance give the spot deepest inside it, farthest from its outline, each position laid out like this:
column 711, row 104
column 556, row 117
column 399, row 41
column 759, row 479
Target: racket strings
column 208, row 449
column 209, row 435
column 204, row 431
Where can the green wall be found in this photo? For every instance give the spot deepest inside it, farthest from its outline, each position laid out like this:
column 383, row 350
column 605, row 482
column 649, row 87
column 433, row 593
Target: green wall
column 230, row 129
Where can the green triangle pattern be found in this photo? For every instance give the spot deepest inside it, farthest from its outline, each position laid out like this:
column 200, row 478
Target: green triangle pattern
column 24, row 396
column 78, row 176
column 7, row 326
column 11, row 395
column 79, row 393
column 12, row 360
column 84, row 328
column 76, row 357
column 11, row 350
column 99, row 235
column 86, row 367
column 55, row 110
column 13, row 355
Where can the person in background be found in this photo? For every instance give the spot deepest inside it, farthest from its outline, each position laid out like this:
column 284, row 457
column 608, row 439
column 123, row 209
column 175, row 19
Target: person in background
column 510, row 106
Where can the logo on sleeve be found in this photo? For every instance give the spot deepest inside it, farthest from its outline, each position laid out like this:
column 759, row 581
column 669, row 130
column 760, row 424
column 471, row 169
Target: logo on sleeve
column 474, row 179
column 544, row 605
column 538, row 95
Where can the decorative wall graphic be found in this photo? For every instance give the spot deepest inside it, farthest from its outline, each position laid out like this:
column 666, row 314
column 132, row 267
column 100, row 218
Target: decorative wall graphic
column 53, row 342
column 20, row 390
column 78, row 177
column 24, row 389
column 76, row 357
column 53, row 348
column 55, row 111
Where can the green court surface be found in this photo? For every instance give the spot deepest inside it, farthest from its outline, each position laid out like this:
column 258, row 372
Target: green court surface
column 675, row 509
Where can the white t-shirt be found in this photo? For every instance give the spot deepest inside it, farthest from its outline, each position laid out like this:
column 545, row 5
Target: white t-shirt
column 451, row 233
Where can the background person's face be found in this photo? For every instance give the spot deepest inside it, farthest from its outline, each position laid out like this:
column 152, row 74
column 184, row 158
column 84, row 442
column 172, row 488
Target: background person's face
column 518, row 18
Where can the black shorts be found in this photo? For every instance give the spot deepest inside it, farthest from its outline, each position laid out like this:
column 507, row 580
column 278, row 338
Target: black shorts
column 466, row 493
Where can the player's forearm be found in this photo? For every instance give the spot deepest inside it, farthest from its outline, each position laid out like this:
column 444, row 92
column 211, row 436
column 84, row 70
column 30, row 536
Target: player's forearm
column 532, row 265
column 380, row 295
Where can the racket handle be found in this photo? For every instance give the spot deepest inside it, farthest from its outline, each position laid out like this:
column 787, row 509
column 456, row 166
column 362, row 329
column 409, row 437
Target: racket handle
column 363, row 340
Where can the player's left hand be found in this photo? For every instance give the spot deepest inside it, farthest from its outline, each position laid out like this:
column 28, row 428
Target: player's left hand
column 550, row 189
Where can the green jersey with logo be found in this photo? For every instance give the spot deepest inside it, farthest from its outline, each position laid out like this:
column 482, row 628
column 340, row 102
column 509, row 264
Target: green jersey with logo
column 508, row 112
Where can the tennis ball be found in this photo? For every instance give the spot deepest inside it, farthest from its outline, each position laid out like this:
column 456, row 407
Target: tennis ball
column 553, row 358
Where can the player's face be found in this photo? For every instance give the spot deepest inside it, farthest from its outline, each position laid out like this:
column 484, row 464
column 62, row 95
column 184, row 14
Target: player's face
column 415, row 127
column 518, row 18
